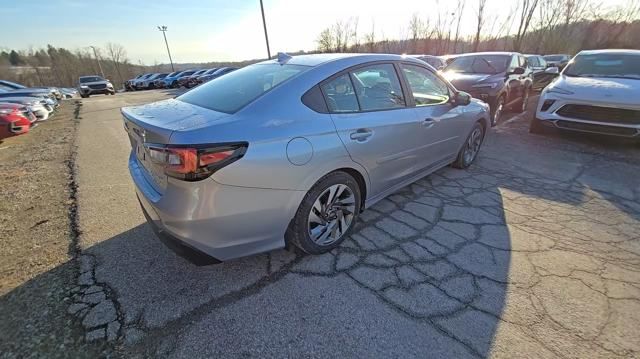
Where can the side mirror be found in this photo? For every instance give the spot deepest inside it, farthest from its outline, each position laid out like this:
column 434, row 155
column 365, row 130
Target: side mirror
column 461, row 99
column 518, row 71
column 552, row 70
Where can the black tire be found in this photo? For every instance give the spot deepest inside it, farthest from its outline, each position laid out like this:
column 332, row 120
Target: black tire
column 83, row 96
column 498, row 104
column 464, row 160
column 521, row 105
column 298, row 233
column 536, row 127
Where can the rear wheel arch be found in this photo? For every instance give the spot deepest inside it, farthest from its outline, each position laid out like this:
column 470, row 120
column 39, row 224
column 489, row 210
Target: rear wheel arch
column 362, row 184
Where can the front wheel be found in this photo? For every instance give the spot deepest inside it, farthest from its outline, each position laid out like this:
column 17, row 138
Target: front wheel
column 471, row 147
column 521, row 106
column 497, row 110
column 326, row 215
column 536, row 127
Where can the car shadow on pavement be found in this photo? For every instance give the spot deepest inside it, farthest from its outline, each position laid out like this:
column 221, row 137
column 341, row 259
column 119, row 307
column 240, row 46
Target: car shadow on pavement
column 426, row 269
column 570, row 168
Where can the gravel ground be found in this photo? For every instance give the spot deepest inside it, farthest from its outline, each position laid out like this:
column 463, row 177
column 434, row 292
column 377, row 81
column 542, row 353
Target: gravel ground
column 37, row 243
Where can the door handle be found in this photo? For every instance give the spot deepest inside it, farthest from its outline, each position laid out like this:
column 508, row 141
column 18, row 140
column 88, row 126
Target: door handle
column 361, row 134
column 428, row 122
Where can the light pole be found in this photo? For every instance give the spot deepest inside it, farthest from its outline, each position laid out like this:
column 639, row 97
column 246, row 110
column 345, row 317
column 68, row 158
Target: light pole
column 95, row 53
column 264, row 24
column 164, row 33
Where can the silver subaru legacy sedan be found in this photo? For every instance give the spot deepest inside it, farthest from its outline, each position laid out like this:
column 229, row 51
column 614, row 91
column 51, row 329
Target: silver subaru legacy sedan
column 289, row 151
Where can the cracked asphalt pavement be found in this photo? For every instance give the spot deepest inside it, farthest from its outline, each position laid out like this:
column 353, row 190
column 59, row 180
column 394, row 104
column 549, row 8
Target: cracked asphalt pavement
column 532, row 252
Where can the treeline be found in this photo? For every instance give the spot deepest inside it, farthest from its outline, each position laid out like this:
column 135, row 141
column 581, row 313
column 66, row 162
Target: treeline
column 56, row 66
column 527, row 26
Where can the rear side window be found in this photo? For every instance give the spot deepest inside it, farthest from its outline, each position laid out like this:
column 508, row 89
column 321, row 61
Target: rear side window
column 237, row 89
column 340, row 94
column 378, row 88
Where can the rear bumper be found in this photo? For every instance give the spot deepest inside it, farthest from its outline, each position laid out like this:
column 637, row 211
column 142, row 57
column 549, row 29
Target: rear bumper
column 221, row 221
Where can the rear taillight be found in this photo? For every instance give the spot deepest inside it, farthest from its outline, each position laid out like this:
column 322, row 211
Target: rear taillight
column 197, row 162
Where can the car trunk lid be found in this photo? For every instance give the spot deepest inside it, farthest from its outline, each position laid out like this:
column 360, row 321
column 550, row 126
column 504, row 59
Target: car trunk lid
column 153, row 124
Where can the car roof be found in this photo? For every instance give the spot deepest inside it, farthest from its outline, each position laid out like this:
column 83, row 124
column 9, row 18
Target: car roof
column 610, row 51
column 320, row 59
column 506, row 53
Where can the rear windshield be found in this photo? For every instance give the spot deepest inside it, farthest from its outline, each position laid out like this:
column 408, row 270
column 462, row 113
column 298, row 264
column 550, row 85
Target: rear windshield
column 231, row 92
column 90, row 79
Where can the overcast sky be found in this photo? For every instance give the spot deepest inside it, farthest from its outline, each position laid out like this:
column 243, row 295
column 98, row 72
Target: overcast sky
column 210, row 30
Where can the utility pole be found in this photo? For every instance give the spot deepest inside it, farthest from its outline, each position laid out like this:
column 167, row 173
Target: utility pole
column 164, row 33
column 95, row 53
column 264, row 24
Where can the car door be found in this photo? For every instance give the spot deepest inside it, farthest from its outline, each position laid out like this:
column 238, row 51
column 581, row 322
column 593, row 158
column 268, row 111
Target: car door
column 378, row 129
column 444, row 126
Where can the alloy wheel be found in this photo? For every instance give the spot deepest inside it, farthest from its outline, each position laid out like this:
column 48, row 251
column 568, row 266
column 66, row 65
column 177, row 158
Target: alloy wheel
column 331, row 215
column 472, row 147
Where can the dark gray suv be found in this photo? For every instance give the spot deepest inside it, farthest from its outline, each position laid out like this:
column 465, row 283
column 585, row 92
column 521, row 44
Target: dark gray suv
column 501, row 79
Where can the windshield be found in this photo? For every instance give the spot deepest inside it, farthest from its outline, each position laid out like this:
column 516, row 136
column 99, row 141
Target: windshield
column 231, row 92
column 173, row 74
column 555, row 57
column 86, row 79
column 186, row 73
column 605, row 65
column 210, row 71
column 480, row 64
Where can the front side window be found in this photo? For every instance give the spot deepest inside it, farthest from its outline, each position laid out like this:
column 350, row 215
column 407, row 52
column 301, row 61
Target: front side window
column 533, row 61
column 231, row 92
column 378, row 88
column 523, row 62
column 426, row 87
column 514, row 63
column 340, row 95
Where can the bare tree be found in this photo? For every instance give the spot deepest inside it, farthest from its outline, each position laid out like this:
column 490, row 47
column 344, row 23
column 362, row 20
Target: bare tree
column 370, row 38
column 480, row 16
column 459, row 12
column 118, row 55
column 526, row 11
column 325, row 40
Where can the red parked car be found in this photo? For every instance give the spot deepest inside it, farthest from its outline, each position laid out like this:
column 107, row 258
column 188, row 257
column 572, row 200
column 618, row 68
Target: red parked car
column 15, row 119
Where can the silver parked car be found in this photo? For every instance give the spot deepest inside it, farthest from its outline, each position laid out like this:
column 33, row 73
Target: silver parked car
column 597, row 92
column 289, row 151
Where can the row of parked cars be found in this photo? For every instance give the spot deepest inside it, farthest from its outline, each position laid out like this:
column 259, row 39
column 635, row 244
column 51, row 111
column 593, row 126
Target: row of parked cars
column 186, row 78
column 504, row 80
column 21, row 106
column 596, row 91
